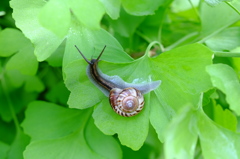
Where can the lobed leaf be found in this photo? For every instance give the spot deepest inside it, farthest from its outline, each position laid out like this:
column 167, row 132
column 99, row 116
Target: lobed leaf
column 181, row 62
column 28, row 64
column 217, row 142
column 55, row 16
column 93, row 134
column 224, row 78
column 181, row 135
column 182, row 71
column 65, row 148
column 131, row 131
column 187, row 125
column 70, row 130
column 48, row 114
column 91, row 43
column 45, row 41
column 228, row 39
column 11, row 41
column 183, row 75
column 224, row 17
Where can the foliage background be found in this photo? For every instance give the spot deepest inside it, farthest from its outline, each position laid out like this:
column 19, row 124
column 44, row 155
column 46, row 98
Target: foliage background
column 49, row 108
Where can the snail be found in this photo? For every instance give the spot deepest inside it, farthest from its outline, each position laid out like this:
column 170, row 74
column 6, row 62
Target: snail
column 126, row 99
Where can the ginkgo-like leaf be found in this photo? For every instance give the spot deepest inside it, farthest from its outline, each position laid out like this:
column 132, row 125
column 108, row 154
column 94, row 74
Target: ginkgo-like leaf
column 221, row 73
column 80, row 137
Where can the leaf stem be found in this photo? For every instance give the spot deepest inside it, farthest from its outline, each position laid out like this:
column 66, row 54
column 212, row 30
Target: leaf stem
column 6, row 94
column 151, row 45
column 181, row 41
column 195, row 10
column 143, row 36
column 227, row 54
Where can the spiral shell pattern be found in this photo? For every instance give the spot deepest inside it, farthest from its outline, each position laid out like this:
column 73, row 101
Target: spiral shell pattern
column 126, row 102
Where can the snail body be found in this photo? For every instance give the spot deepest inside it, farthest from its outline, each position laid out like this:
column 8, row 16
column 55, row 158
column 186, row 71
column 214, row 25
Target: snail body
column 126, row 99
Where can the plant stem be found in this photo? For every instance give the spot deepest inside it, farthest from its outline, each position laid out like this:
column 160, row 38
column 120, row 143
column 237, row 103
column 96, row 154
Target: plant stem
column 181, row 41
column 9, row 102
column 143, row 36
column 227, row 54
column 195, row 10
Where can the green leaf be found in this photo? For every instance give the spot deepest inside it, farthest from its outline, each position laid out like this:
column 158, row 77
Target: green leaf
column 50, row 126
column 73, row 146
column 236, row 64
column 228, row 39
column 173, row 109
column 224, row 78
column 7, row 134
column 225, row 118
column 58, row 93
column 224, row 16
column 91, row 43
column 217, row 142
column 75, row 71
column 11, row 41
column 3, row 149
column 181, row 135
column 140, row 8
column 112, row 7
column 18, row 146
column 183, row 75
column 56, row 58
column 15, row 78
column 28, row 64
column 159, row 117
column 181, row 6
column 45, row 41
column 92, row 8
column 80, row 87
column 126, row 25
column 33, row 84
column 55, row 16
column 149, row 28
column 132, row 131
column 13, row 96
column 71, row 130
column 93, row 134
column 181, row 62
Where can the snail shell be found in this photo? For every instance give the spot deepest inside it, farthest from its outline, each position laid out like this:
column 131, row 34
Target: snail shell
column 126, row 102
column 125, row 98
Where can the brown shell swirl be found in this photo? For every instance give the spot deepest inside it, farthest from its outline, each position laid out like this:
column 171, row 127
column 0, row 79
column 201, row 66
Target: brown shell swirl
column 126, row 102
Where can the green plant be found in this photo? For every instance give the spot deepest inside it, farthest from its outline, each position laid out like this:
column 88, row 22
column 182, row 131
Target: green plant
column 50, row 109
